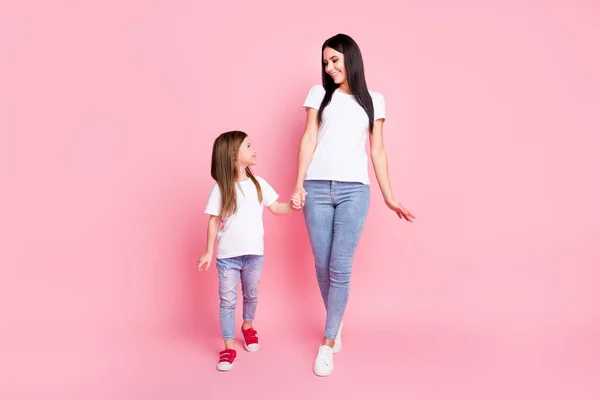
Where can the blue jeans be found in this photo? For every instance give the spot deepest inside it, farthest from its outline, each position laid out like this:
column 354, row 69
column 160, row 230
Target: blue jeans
column 249, row 269
column 335, row 214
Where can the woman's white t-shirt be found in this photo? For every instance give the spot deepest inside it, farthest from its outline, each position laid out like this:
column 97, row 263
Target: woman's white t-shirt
column 242, row 233
column 341, row 154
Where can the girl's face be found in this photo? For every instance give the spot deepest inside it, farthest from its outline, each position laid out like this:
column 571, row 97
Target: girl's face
column 246, row 156
column 334, row 65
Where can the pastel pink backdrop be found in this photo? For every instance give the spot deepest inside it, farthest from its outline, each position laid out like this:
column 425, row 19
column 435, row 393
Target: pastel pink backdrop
column 107, row 115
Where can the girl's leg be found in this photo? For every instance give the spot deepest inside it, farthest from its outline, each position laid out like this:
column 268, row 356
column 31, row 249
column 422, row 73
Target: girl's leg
column 229, row 276
column 251, row 273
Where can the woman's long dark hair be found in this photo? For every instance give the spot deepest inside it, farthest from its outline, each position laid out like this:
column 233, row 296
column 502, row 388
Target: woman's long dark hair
column 355, row 74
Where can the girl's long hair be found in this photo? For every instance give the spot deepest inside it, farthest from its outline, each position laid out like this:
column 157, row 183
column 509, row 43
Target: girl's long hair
column 223, row 169
column 355, row 74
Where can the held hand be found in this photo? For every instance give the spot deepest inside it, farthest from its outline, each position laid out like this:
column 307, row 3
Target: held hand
column 402, row 212
column 204, row 259
column 298, row 198
column 296, row 202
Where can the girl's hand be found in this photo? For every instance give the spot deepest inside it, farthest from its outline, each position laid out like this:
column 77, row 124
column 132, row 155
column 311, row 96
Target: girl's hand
column 298, row 198
column 205, row 258
column 296, row 202
column 402, row 212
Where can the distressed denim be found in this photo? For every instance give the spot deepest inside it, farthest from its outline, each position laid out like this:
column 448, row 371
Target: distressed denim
column 248, row 269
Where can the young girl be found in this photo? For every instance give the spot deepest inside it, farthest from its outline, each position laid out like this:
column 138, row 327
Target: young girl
column 235, row 206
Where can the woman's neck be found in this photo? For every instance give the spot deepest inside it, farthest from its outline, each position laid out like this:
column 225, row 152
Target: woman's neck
column 344, row 88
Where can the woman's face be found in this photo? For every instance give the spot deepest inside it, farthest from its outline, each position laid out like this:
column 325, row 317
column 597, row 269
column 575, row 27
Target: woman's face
column 334, row 65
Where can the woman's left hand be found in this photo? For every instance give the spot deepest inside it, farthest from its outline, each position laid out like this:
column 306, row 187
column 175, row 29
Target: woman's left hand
column 402, row 212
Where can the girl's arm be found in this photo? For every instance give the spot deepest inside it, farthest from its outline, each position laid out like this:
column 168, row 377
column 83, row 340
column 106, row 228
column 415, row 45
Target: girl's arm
column 380, row 165
column 211, row 236
column 307, row 149
column 278, row 208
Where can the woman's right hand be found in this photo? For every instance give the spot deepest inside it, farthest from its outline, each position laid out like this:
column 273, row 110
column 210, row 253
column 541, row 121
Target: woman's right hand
column 298, row 198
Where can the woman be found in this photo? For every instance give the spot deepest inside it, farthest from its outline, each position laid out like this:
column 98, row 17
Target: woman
column 332, row 185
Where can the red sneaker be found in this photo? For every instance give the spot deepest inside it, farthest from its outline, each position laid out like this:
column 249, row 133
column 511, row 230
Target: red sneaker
column 226, row 359
column 250, row 340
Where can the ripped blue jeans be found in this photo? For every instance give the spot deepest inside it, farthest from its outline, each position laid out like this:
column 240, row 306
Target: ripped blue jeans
column 248, row 269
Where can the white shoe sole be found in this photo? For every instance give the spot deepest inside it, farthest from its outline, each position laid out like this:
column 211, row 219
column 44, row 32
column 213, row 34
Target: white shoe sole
column 322, row 373
column 225, row 366
column 251, row 349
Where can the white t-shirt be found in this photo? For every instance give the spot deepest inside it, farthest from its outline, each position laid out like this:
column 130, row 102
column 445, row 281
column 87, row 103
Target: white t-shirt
column 341, row 144
column 242, row 233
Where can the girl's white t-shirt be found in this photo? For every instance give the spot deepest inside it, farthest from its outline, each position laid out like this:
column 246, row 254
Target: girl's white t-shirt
column 341, row 154
column 242, row 233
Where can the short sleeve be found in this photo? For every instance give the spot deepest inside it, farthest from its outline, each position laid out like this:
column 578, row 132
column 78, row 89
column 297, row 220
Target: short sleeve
column 214, row 204
column 315, row 97
column 269, row 194
column 378, row 106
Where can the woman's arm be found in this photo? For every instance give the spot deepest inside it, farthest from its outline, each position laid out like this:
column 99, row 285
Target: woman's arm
column 307, row 149
column 380, row 165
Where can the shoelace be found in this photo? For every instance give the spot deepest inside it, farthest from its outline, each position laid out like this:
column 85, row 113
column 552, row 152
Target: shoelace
column 322, row 358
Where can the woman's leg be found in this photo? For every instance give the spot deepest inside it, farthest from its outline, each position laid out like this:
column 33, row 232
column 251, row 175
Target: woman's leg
column 351, row 206
column 318, row 215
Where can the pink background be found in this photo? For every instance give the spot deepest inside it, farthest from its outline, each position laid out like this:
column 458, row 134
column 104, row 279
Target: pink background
column 107, row 113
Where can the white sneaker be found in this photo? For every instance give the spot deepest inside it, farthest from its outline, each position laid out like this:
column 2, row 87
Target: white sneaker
column 324, row 361
column 337, row 347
